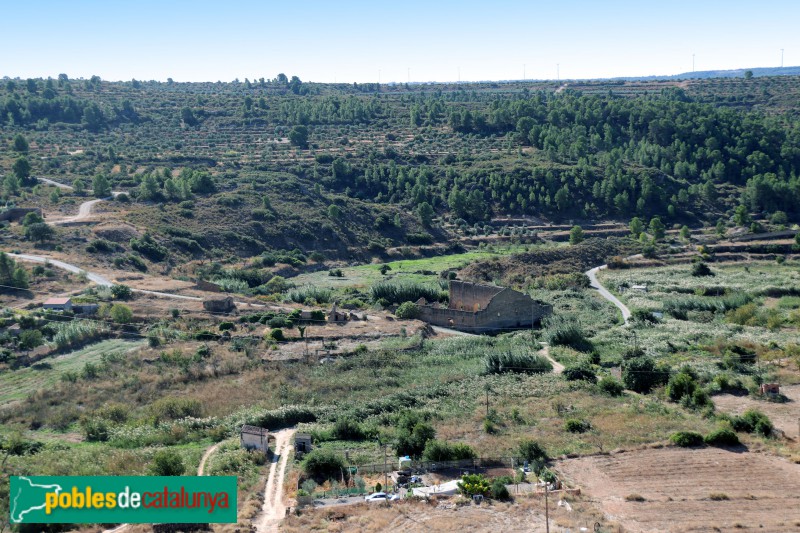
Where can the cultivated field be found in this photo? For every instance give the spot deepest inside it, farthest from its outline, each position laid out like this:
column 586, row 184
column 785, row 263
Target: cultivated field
column 678, row 489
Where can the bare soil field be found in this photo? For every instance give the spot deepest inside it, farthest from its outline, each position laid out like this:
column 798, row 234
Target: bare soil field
column 525, row 514
column 785, row 416
column 708, row 489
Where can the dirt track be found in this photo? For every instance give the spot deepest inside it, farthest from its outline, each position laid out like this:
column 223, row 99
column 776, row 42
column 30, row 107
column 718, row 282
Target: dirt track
column 274, row 508
column 762, row 491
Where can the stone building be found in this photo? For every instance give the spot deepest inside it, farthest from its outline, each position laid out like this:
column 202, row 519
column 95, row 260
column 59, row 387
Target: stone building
column 477, row 308
column 254, row 438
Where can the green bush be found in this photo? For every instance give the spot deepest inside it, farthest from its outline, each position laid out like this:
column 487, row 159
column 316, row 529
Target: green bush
column 641, row 374
column 398, row 292
column 346, row 428
column 474, row 484
column 681, row 384
column 499, row 490
column 498, row 363
column 174, row 408
column 167, row 463
column 573, row 425
column 436, row 450
column 277, row 335
column 407, row 311
column 753, row 421
column 722, row 437
column 611, row 386
column 564, row 332
column 580, row 372
column 323, row 464
column 686, row 439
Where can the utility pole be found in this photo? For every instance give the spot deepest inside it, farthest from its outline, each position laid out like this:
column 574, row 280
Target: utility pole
column 385, row 473
column 546, row 507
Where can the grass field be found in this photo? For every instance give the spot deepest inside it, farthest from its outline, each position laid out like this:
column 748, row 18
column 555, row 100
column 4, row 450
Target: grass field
column 17, row 384
column 415, row 270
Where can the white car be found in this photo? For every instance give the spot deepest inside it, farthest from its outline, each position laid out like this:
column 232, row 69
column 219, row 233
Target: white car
column 381, row 497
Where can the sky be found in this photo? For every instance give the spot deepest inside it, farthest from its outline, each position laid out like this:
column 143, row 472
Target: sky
column 392, row 41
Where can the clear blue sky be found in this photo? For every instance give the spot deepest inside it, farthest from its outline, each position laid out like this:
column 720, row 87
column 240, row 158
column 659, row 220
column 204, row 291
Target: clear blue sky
column 347, row 41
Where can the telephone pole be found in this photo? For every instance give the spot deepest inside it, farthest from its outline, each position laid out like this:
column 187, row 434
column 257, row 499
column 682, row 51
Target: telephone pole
column 546, row 507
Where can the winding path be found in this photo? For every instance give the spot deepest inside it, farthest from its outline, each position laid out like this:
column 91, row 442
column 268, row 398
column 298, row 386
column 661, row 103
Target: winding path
column 592, row 274
column 84, row 210
column 201, row 469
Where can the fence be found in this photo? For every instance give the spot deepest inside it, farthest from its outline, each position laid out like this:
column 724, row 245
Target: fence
column 432, row 466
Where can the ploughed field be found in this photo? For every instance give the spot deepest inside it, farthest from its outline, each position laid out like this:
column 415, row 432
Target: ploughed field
column 785, row 416
column 707, row 489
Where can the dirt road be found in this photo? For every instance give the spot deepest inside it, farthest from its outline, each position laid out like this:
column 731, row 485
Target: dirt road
column 84, row 210
column 274, row 508
column 592, row 274
column 558, row 368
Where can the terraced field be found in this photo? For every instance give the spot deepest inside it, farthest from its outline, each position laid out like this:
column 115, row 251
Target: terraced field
column 18, row 384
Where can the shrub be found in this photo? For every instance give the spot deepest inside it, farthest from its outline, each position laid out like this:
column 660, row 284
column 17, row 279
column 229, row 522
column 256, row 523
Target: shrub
column 753, row 421
column 532, row 452
column 277, row 335
column 121, row 292
column 173, row 408
column 573, row 425
column 640, row 374
column 681, row 384
column 227, row 326
column 722, row 437
column 497, row 363
column 436, row 450
column 148, row 247
column 121, row 314
column 701, row 269
column 323, row 464
column 399, row 292
column 473, row 484
column 303, row 294
column 564, row 332
column 686, row 439
column 95, row 429
column 611, row 386
column 347, row 429
column 499, row 490
column 407, row 311
column 167, row 463
column 580, row 372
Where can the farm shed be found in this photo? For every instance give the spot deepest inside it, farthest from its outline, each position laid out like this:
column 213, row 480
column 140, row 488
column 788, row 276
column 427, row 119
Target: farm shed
column 481, row 308
column 58, row 304
column 254, row 438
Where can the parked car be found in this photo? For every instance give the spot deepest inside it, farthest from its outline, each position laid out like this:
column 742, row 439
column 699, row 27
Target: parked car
column 381, row 497
column 415, row 479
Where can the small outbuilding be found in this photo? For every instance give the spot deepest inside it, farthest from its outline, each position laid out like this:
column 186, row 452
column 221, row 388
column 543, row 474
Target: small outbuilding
column 58, row 304
column 254, row 438
column 302, row 443
column 770, row 388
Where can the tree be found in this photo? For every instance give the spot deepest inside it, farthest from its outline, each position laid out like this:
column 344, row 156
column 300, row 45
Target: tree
column 11, row 185
column 149, row 189
column 748, row 74
column 121, row 314
column 298, row 136
column 685, row 233
column 657, row 228
column 22, row 169
column 167, row 463
column 79, row 187
column 101, row 186
column 637, row 227
column 31, row 218
column 473, row 484
column 640, row 374
column 407, row 310
column 187, row 116
column 741, row 216
column 721, row 228
column 39, row 231
column 121, row 292
column 30, row 339
column 576, row 235
column 425, row 213
column 20, row 143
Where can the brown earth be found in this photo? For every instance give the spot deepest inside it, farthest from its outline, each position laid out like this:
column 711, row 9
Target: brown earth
column 708, row 489
column 785, row 416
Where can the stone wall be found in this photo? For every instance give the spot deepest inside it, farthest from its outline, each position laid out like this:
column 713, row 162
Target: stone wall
column 465, row 296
